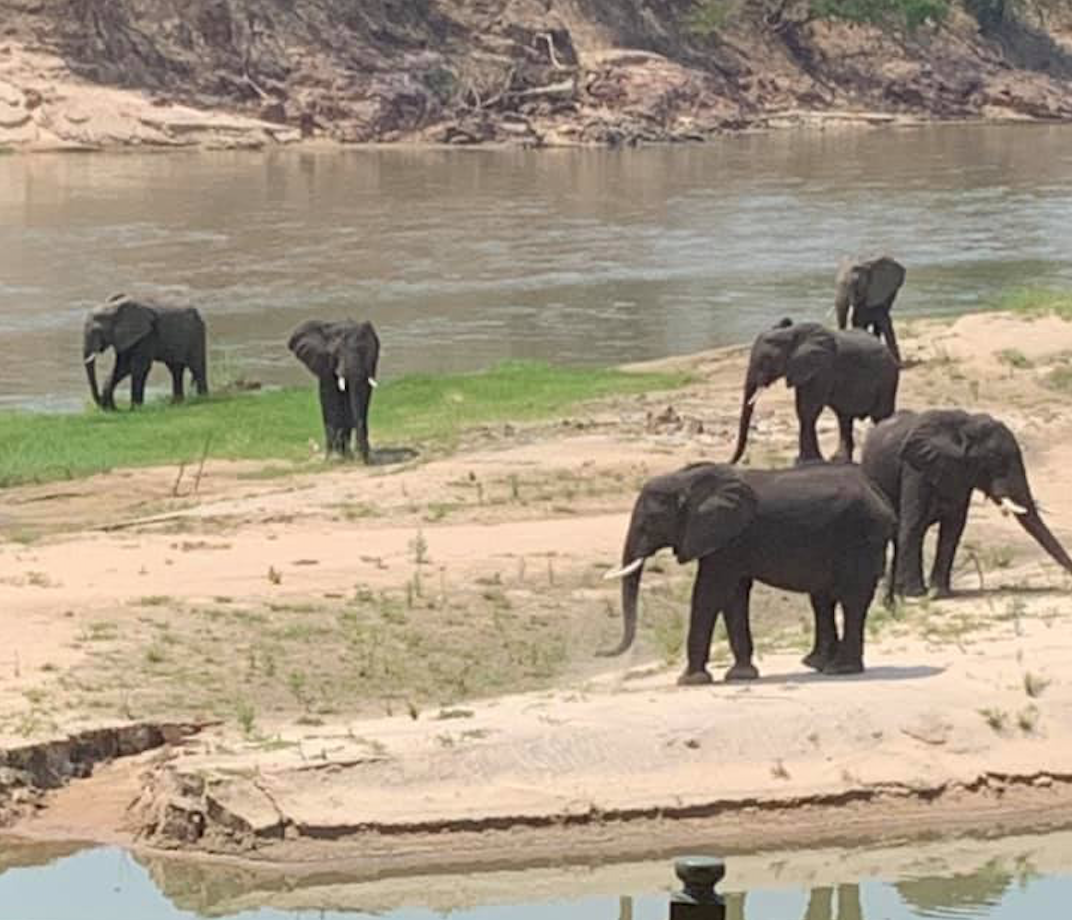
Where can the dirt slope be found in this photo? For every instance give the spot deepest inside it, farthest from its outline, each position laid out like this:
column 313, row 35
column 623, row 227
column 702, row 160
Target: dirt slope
column 254, row 72
column 381, row 648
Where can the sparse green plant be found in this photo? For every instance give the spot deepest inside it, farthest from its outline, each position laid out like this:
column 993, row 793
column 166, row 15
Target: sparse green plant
column 1014, row 358
column 997, row 719
column 246, row 715
column 1027, row 719
column 1035, row 685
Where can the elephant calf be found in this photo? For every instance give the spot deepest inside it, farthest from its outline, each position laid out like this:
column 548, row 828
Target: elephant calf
column 343, row 356
column 851, row 372
column 818, row 529
column 868, row 288
column 927, row 464
column 142, row 332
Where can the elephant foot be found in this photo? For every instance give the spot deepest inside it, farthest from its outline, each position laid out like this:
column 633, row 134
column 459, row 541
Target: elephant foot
column 841, row 457
column 695, row 678
column 817, row 660
column 741, row 672
column 844, row 666
column 911, row 590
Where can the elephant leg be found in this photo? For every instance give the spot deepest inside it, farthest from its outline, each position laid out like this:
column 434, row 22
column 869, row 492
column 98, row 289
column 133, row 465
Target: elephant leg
column 177, row 371
column 118, row 375
column 913, row 521
column 950, row 528
column 820, row 904
column 849, row 658
column 808, row 409
column 708, row 598
column 885, row 327
column 334, row 413
column 139, row 372
column 848, row 903
column 198, row 370
column 739, row 630
column 361, row 423
column 845, row 440
column 825, row 647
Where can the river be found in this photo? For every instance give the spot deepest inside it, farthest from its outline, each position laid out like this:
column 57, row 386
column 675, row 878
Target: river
column 997, row 879
column 465, row 257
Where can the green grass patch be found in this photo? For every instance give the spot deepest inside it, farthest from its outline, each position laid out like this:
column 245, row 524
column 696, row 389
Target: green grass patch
column 278, row 425
column 1037, row 301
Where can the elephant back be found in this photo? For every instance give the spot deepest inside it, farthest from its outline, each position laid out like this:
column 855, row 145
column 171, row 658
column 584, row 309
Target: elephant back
column 866, row 376
column 180, row 334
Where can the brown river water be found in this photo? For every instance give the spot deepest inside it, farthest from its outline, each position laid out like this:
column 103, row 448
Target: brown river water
column 465, row 257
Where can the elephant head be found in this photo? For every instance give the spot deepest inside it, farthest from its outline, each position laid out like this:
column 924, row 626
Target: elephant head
column 802, row 353
column 865, row 284
column 346, row 351
column 120, row 324
column 956, row 450
column 696, row 511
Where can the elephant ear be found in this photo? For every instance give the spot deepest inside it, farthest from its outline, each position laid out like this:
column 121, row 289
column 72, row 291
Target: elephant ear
column 133, row 321
column 313, row 347
column 938, row 448
column 717, row 509
column 884, row 279
column 814, row 353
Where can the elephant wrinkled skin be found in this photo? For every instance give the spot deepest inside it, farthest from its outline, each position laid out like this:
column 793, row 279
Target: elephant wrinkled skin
column 818, row 529
column 851, row 372
column 927, row 464
column 142, row 332
column 343, row 356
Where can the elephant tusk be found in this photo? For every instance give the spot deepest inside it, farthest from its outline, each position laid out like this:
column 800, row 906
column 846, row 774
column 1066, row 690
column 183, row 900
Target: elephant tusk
column 754, row 398
column 624, row 570
column 372, row 382
column 91, row 358
column 342, row 384
column 1007, row 504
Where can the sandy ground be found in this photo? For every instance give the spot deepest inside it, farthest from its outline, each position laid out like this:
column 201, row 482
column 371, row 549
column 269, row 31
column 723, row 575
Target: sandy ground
column 398, row 653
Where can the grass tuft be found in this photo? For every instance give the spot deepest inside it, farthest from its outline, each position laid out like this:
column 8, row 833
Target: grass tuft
column 280, row 424
column 1035, row 301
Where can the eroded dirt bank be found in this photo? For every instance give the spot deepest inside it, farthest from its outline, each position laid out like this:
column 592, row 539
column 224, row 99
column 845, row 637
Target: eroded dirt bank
column 251, row 72
column 402, row 657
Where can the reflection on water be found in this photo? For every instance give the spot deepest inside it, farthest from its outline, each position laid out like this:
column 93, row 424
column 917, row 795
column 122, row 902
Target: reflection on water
column 462, row 258
column 1017, row 878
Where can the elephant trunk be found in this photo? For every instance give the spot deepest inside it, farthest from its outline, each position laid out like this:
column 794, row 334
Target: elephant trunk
column 631, row 571
column 1032, row 522
column 751, row 392
column 91, row 374
column 842, row 301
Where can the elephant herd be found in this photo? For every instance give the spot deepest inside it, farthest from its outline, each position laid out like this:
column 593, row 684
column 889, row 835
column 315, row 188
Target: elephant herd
column 820, row 528
column 817, row 528
column 342, row 355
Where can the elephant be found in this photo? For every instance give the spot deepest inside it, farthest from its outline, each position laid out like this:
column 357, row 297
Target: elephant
column 869, row 286
column 927, row 464
column 818, row 529
column 343, row 356
column 141, row 332
column 850, row 372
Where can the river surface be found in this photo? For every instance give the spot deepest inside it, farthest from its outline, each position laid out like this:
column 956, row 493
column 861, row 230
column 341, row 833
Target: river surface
column 466, row 257
column 1012, row 879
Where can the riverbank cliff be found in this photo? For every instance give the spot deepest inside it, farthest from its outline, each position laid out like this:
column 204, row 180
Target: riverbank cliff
column 80, row 74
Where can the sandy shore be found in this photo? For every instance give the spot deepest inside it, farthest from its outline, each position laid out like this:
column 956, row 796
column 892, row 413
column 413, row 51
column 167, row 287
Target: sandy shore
column 400, row 661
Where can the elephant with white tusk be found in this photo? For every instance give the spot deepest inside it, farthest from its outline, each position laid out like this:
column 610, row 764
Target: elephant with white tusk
column 141, row 332
column 927, row 464
column 343, row 356
column 819, row 529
